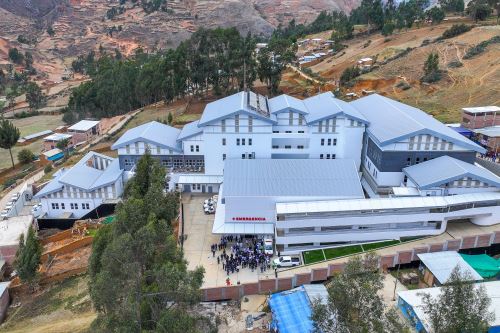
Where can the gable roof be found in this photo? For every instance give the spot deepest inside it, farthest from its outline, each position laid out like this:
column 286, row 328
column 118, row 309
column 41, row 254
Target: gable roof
column 285, row 102
column 84, row 176
column 325, row 106
column 445, row 169
column 292, row 177
column 189, row 130
column 441, row 265
column 152, row 132
column 391, row 121
column 231, row 105
column 83, row 125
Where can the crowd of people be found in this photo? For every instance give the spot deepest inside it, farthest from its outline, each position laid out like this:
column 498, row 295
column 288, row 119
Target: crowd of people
column 490, row 156
column 234, row 253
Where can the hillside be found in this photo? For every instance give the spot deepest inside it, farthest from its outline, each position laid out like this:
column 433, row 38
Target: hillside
column 473, row 84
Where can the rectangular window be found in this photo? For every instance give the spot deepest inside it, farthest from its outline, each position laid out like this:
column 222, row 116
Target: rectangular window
column 334, row 142
column 300, row 147
column 288, row 131
column 158, row 150
column 275, row 132
column 62, row 205
column 333, row 156
column 223, row 157
column 223, row 125
column 443, row 143
column 127, row 149
column 320, row 127
column 327, row 156
column 300, row 131
column 327, row 125
column 223, row 141
column 290, row 118
column 242, row 142
column 243, row 156
column 329, row 142
column 250, row 124
column 192, row 148
column 275, row 147
column 237, row 123
column 321, row 156
column 412, row 140
column 450, row 146
column 249, row 142
column 288, row 147
column 55, row 205
column 334, row 124
column 197, row 148
column 86, row 206
column 301, row 119
column 408, row 161
column 137, row 147
column 322, row 142
column 237, row 142
column 352, row 123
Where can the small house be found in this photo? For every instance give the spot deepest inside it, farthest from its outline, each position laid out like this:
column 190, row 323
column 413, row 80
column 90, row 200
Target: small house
column 84, row 131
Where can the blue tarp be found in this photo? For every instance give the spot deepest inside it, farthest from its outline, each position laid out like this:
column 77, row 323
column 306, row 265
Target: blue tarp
column 291, row 311
column 464, row 131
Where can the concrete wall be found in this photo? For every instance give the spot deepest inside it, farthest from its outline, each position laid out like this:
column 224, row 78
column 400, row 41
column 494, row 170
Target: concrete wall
column 266, row 286
column 4, row 304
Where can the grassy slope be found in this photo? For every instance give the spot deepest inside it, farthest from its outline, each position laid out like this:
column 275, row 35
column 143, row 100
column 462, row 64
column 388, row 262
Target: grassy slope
column 65, row 307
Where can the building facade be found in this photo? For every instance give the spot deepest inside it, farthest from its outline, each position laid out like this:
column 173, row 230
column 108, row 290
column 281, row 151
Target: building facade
column 480, row 117
column 84, row 131
column 74, row 192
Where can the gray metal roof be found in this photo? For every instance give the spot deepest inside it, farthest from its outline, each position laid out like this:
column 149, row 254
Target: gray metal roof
column 231, row 105
column 325, row 105
column 83, row 125
column 83, row 176
column 292, row 177
column 441, row 264
column 391, row 121
column 285, row 102
column 492, row 132
column 446, row 169
column 481, row 109
column 189, row 130
column 152, row 132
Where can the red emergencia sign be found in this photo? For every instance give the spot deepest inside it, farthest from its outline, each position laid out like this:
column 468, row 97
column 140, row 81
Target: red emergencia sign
column 249, row 218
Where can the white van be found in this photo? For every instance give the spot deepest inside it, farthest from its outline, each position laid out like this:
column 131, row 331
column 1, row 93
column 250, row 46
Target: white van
column 268, row 246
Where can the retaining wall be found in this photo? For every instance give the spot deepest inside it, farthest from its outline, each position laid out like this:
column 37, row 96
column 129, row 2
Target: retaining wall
column 266, row 286
column 68, row 247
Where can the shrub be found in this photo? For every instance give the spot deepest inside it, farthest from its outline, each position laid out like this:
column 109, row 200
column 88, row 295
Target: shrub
column 455, row 30
column 368, row 42
column 455, row 64
column 479, row 48
column 348, row 74
column 48, row 169
column 25, row 156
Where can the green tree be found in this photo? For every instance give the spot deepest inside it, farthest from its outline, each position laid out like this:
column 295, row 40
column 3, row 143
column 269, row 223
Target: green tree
column 348, row 74
column 15, row 56
column 9, row 134
column 34, row 96
column 170, row 119
column 273, row 59
column 50, row 31
column 478, row 10
column 138, row 278
column 388, row 29
column 456, row 6
column 436, row 14
column 354, row 303
column 28, row 257
column 431, row 68
column 25, row 156
column 460, row 306
column 63, row 145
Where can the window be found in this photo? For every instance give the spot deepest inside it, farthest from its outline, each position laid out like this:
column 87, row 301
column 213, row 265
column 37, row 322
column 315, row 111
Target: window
column 242, row 142
column 300, row 132
column 62, row 205
column 443, row 143
column 72, row 206
column 197, row 148
column 86, row 206
column 243, row 156
column 192, row 148
column 321, row 156
column 329, row 142
column 275, row 147
column 334, row 142
column 288, row 131
column 417, row 160
column 223, row 141
column 327, row 125
column 276, row 132
column 55, row 205
column 237, row 142
column 249, row 142
column 320, row 127
column 290, row 118
column 127, row 148
column 223, row 157
column 170, row 151
column 333, row 156
column 128, row 163
column 288, row 147
column 223, row 125
column 352, row 123
column 327, row 156
column 300, row 147
column 450, row 146
column 301, row 119
column 237, row 123
column 408, row 161
column 322, row 142
column 250, row 124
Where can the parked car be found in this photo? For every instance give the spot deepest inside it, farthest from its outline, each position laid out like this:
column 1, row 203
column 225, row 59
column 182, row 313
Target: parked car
column 36, row 210
column 268, row 246
column 209, row 210
column 286, row 261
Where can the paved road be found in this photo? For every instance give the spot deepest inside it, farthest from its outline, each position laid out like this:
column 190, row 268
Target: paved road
column 29, row 181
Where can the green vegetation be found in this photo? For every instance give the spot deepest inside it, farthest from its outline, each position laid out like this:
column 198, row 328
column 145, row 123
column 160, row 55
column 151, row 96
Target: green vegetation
column 15, row 56
column 479, row 48
column 455, row 6
column 50, row 31
column 432, row 72
column 139, row 280
column 9, row 134
column 25, row 156
column 342, row 251
column 460, row 307
column 479, row 10
column 48, row 169
column 436, row 14
column 374, row 246
column 310, row 257
column 34, row 96
column 219, row 59
column 355, row 303
column 455, row 30
column 349, row 74
column 28, row 257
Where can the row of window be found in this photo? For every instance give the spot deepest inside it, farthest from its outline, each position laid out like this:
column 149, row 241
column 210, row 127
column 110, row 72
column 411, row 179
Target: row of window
column 288, row 147
column 327, row 156
column 244, row 156
column 329, row 142
column 427, row 143
column 74, row 206
column 195, row 148
column 277, row 132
